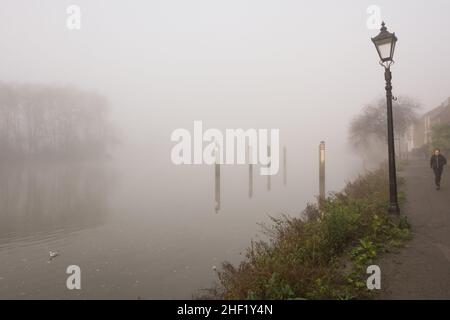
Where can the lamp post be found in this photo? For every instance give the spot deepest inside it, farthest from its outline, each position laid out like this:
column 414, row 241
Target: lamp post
column 385, row 44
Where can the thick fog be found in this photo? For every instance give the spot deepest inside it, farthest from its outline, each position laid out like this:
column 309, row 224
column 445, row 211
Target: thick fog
column 303, row 67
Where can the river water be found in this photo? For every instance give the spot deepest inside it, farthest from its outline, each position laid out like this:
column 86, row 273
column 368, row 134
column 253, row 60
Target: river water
column 138, row 227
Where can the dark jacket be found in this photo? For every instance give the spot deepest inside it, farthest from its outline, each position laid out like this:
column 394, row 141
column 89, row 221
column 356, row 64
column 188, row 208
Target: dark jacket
column 437, row 162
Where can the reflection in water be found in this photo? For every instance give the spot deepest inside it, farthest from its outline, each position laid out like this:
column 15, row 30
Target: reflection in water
column 47, row 199
column 217, row 187
column 269, row 183
column 284, row 167
column 250, row 171
column 250, row 180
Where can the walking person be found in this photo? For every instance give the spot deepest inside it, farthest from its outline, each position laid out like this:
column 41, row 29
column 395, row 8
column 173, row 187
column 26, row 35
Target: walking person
column 437, row 163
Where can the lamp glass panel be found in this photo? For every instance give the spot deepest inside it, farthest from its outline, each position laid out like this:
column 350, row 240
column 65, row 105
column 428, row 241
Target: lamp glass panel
column 384, row 49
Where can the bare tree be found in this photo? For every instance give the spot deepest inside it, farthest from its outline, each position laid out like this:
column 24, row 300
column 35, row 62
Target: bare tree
column 55, row 122
column 368, row 130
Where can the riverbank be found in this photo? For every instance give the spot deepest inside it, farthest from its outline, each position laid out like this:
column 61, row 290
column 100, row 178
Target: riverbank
column 325, row 253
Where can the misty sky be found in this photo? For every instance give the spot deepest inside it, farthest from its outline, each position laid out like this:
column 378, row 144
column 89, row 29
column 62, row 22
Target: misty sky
column 306, row 67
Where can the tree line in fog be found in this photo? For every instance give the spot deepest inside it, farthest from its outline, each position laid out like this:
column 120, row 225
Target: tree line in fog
column 52, row 122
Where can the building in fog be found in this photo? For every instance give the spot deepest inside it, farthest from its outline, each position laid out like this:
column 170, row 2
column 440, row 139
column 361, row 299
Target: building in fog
column 419, row 134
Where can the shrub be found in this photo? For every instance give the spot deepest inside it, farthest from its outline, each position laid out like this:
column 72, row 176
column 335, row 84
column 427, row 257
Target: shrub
column 322, row 255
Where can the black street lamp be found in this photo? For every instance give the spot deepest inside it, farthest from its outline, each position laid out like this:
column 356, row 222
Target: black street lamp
column 385, row 44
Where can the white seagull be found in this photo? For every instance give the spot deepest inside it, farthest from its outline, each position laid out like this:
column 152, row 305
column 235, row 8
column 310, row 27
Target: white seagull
column 53, row 254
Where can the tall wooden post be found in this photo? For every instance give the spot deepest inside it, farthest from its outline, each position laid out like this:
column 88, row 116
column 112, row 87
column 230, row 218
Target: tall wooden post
column 322, row 171
column 217, row 180
column 250, row 172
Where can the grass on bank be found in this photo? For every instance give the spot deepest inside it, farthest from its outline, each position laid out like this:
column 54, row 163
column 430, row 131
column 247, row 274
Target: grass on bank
column 323, row 255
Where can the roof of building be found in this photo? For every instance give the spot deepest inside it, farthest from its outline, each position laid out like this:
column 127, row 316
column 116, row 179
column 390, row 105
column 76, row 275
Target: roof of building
column 436, row 111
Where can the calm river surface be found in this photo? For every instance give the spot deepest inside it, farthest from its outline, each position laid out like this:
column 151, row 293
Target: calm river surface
column 140, row 228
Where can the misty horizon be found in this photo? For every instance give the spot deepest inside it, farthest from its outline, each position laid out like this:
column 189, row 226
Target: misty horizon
column 121, row 85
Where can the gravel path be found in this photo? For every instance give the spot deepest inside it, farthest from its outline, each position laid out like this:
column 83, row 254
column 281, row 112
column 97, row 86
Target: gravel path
column 421, row 270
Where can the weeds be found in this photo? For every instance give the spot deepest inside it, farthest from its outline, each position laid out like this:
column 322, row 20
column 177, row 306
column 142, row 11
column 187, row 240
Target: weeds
column 323, row 255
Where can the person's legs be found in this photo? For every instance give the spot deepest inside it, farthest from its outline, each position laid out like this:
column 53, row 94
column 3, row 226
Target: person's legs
column 437, row 177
